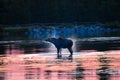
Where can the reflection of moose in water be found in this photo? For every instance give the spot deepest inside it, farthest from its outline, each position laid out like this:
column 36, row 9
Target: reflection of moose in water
column 62, row 43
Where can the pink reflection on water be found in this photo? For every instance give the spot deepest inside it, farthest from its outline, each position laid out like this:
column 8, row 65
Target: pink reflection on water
column 11, row 49
column 45, row 67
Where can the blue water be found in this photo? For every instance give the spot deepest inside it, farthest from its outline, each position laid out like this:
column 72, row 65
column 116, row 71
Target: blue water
column 43, row 32
column 76, row 32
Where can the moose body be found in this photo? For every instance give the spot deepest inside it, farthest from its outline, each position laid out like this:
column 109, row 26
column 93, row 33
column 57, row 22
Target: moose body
column 61, row 43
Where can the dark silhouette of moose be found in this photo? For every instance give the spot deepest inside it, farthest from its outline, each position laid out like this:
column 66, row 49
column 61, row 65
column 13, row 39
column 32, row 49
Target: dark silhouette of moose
column 61, row 43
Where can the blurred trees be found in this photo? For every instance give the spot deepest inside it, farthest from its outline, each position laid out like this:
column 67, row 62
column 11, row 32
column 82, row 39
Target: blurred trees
column 36, row 11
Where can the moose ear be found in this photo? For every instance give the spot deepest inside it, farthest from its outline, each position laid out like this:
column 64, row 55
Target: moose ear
column 46, row 39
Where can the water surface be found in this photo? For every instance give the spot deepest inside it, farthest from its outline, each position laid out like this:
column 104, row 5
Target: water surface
column 24, row 55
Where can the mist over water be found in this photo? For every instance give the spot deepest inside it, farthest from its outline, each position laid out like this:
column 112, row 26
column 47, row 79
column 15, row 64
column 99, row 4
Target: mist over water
column 39, row 32
column 24, row 54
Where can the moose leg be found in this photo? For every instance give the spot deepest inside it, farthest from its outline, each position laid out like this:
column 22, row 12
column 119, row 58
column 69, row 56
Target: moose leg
column 58, row 53
column 71, row 52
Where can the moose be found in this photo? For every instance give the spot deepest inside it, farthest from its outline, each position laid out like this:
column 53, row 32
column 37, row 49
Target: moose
column 61, row 43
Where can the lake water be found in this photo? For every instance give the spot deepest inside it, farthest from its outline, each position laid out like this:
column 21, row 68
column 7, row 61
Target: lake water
column 26, row 56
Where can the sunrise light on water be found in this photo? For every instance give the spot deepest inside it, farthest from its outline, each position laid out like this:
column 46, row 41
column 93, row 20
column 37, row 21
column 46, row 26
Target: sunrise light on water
column 84, row 66
column 59, row 39
column 30, row 57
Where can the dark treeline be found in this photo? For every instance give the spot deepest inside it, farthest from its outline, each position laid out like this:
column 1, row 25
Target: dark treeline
column 43, row 11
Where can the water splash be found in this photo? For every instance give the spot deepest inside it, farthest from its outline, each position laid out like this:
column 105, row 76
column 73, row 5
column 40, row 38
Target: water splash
column 54, row 33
